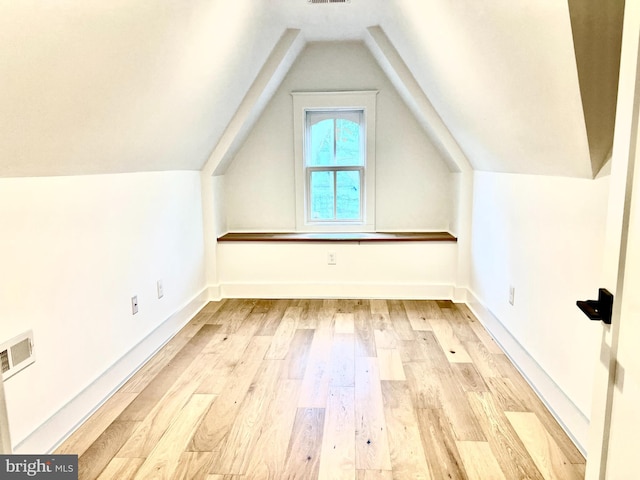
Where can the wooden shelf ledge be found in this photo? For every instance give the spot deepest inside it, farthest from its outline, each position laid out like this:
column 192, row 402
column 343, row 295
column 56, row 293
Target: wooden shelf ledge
column 339, row 237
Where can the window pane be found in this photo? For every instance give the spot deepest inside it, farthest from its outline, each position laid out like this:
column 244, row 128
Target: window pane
column 348, row 143
column 321, row 140
column 348, row 191
column 321, row 195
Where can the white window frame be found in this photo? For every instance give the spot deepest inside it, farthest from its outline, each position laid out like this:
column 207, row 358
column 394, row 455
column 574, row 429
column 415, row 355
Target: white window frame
column 323, row 101
column 334, row 113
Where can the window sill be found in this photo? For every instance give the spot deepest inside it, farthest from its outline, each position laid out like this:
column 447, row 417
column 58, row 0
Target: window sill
column 359, row 237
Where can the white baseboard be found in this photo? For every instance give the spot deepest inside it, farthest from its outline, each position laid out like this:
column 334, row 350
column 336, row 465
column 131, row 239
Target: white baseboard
column 214, row 293
column 568, row 415
column 60, row 425
column 48, row 436
column 334, row 290
column 460, row 295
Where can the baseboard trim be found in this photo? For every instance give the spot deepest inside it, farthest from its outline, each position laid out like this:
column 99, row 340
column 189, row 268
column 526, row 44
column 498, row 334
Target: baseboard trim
column 335, row 290
column 48, row 436
column 460, row 295
column 63, row 423
column 214, row 293
column 568, row 415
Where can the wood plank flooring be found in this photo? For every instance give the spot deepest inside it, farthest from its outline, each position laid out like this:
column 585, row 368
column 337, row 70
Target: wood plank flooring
column 326, row 389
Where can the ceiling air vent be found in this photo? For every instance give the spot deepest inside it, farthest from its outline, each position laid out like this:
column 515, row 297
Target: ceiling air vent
column 16, row 354
column 329, row 1
column 4, row 361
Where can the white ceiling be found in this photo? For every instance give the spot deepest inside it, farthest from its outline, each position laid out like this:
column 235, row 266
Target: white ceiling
column 331, row 22
column 88, row 86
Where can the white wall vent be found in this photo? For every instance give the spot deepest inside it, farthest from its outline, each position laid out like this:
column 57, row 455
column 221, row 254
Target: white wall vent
column 329, row 1
column 16, row 354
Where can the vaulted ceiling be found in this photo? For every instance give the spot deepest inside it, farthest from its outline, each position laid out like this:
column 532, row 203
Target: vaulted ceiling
column 89, row 86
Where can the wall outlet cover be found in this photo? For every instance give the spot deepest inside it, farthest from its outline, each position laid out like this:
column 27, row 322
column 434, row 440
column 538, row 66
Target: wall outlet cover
column 134, row 305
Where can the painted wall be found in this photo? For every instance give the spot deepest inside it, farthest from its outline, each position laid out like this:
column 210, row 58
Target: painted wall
column 414, row 188
column 368, row 270
column 545, row 236
column 142, row 85
column 74, row 250
column 506, row 85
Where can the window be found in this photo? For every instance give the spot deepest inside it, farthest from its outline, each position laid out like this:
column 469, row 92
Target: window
column 335, row 161
column 334, row 165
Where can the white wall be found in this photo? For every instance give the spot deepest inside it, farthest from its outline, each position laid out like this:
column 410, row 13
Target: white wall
column 73, row 252
column 545, row 236
column 502, row 76
column 414, row 188
column 141, row 85
column 368, row 270
column 414, row 191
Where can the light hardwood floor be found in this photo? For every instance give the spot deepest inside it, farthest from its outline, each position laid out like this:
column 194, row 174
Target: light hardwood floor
column 329, row 389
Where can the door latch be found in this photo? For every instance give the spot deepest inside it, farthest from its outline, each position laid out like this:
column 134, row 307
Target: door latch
column 600, row 309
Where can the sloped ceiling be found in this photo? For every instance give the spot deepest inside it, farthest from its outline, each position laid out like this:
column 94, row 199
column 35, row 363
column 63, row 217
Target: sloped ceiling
column 88, row 86
column 95, row 86
column 502, row 75
column 597, row 37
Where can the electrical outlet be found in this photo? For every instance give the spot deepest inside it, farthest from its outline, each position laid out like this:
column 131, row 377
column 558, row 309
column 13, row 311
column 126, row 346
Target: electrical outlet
column 160, row 289
column 134, row 305
column 512, row 294
column 331, row 258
